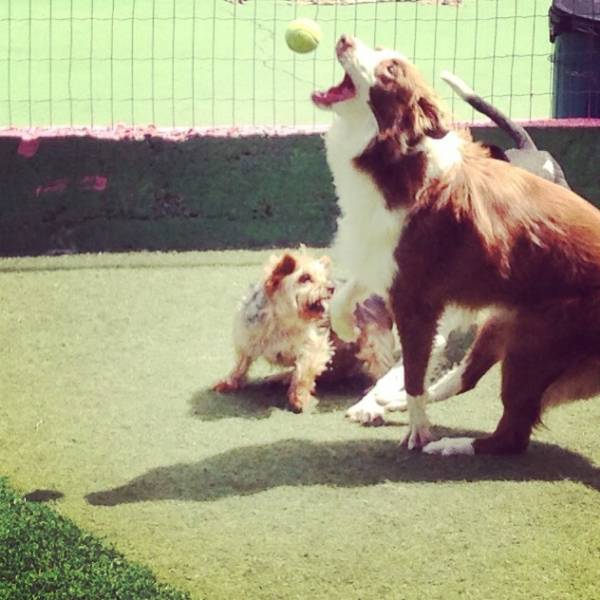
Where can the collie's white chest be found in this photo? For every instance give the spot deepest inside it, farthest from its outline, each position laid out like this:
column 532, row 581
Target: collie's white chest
column 367, row 232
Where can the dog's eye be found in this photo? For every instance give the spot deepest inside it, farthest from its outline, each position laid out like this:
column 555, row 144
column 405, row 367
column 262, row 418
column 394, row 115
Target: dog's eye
column 304, row 278
column 392, row 69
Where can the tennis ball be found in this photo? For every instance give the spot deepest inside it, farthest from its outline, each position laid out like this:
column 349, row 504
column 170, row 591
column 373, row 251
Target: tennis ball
column 303, row 35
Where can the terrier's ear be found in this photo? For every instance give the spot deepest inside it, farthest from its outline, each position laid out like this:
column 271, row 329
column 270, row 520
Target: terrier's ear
column 285, row 267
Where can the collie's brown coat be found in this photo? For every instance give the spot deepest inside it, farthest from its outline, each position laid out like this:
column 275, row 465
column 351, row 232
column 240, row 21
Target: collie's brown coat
column 482, row 234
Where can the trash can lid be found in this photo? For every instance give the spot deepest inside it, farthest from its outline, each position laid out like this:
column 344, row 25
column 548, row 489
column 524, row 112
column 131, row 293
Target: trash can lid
column 574, row 15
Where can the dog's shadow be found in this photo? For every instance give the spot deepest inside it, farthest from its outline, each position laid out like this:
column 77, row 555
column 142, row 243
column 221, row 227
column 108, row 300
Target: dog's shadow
column 350, row 464
column 258, row 399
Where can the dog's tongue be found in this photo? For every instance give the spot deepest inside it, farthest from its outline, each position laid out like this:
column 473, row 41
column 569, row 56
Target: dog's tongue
column 338, row 93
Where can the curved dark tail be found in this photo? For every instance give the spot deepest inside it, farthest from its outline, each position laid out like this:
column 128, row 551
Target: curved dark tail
column 517, row 133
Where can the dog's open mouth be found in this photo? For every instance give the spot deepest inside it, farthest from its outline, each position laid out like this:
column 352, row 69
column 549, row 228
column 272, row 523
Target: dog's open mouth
column 315, row 309
column 345, row 90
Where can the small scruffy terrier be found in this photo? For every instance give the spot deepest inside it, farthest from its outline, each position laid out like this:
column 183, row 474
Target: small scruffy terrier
column 285, row 319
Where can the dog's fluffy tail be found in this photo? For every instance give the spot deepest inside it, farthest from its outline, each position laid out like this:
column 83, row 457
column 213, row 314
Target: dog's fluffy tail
column 518, row 133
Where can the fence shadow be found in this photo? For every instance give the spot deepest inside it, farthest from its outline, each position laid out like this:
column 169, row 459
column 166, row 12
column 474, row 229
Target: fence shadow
column 357, row 463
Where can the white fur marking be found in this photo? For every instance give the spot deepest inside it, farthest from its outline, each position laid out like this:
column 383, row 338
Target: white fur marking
column 386, row 395
column 449, row 385
column 342, row 308
column 367, row 411
column 368, row 232
column 418, row 429
column 443, row 154
column 389, row 390
column 451, row 447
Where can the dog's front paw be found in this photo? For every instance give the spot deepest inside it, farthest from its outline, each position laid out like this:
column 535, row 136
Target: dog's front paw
column 367, row 411
column 226, row 386
column 341, row 315
column 389, row 391
column 418, row 436
column 393, row 404
column 300, row 401
column 419, row 433
column 451, row 447
column 344, row 327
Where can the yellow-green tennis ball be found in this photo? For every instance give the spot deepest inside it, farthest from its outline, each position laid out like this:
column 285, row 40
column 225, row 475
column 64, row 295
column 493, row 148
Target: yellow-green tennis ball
column 303, row 35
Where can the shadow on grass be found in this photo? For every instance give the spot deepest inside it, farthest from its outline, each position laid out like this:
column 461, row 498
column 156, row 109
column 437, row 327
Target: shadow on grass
column 258, row 400
column 43, row 496
column 254, row 469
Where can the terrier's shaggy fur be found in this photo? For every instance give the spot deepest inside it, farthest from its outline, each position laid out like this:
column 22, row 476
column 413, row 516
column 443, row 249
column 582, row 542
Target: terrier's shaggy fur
column 285, row 319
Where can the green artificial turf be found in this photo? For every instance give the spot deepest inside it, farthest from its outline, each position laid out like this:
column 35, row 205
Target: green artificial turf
column 105, row 375
column 47, row 557
column 214, row 62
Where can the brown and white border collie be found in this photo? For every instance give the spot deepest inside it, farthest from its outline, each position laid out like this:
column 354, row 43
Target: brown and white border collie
column 430, row 220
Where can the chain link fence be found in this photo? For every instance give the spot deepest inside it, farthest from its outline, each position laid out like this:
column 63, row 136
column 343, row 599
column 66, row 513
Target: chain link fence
column 213, row 63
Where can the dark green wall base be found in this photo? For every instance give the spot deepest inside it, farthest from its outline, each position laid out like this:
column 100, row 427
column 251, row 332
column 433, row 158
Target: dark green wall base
column 88, row 194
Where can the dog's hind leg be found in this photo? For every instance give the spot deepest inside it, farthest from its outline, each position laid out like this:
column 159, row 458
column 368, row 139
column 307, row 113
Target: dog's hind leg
column 541, row 369
column 488, row 348
column 525, row 377
column 388, row 394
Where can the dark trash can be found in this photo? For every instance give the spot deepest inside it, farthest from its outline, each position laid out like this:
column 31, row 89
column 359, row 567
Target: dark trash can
column 575, row 31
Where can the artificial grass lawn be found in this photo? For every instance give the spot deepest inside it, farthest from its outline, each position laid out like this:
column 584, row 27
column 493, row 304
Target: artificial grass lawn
column 105, row 373
column 190, row 62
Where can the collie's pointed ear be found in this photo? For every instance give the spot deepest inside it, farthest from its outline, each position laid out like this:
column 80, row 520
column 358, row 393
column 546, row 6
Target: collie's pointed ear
column 284, row 267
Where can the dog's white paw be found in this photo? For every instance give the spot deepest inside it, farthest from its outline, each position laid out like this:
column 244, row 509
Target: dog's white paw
column 389, row 389
column 367, row 411
column 418, row 436
column 390, row 397
column 341, row 315
column 451, row 447
column 344, row 327
column 419, row 433
column 398, row 404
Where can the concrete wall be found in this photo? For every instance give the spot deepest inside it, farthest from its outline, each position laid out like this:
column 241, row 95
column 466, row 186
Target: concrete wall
column 127, row 190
